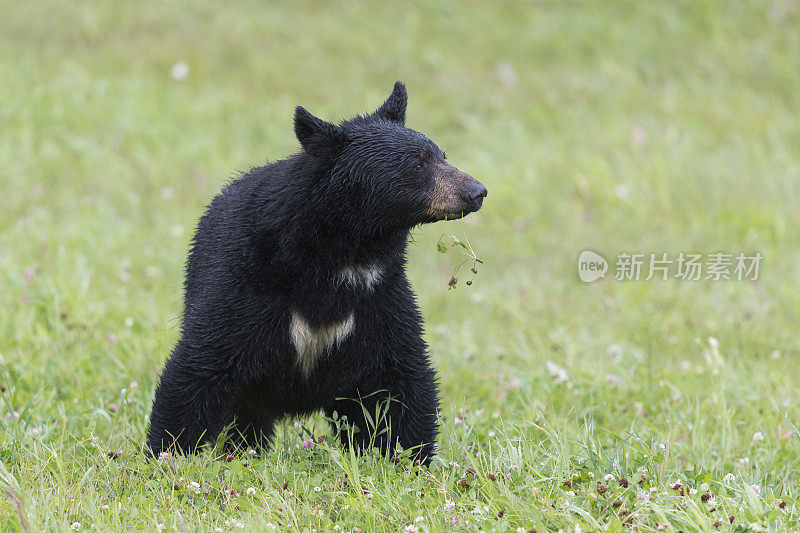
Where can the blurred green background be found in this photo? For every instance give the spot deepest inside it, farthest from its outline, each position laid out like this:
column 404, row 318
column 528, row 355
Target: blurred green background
column 615, row 126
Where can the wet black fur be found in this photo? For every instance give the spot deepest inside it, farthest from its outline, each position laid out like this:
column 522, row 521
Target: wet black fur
column 273, row 242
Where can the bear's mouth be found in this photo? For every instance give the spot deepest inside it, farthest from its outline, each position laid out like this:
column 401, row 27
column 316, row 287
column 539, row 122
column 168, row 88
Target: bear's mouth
column 436, row 214
column 455, row 215
column 464, row 205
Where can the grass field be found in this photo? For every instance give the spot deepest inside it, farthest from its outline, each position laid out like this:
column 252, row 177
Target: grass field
column 617, row 127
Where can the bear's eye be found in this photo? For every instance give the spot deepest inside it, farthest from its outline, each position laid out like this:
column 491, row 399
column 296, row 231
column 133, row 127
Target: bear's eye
column 418, row 167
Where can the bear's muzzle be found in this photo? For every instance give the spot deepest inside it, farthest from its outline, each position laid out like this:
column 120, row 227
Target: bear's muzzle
column 455, row 193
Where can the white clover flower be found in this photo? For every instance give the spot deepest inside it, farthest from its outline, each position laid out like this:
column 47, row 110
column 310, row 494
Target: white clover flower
column 179, row 71
column 449, row 504
column 251, row 451
column 491, row 433
column 758, row 436
column 194, row 486
column 729, row 477
column 419, row 519
column 317, row 489
column 75, row 526
column 608, row 478
column 411, row 528
column 251, row 491
column 756, row 488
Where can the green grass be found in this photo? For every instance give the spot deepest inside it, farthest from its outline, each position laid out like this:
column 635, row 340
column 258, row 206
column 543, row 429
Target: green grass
column 106, row 163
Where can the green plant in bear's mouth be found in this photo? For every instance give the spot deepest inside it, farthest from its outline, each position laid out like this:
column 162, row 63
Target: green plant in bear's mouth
column 466, row 250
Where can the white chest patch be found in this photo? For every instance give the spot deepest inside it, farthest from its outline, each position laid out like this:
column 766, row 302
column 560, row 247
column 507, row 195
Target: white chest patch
column 361, row 276
column 312, row 343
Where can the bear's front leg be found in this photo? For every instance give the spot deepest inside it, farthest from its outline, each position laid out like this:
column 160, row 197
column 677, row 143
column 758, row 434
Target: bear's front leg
column 414, row 414
column 191, row 407
column 404, row 412
column 253, row 427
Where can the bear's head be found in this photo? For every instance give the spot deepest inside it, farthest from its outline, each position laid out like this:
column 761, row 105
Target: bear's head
column 392, row 176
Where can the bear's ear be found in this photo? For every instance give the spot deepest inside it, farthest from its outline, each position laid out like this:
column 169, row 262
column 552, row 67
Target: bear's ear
column 394, row 108
column 316, row 136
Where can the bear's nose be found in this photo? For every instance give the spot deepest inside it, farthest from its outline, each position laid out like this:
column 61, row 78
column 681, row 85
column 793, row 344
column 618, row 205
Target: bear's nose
column 477, row 193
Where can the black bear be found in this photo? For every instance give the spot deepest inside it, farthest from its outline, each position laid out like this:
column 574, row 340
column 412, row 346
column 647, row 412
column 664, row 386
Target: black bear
column 296, row 296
